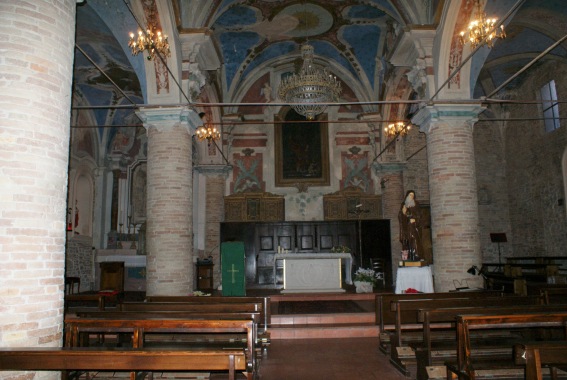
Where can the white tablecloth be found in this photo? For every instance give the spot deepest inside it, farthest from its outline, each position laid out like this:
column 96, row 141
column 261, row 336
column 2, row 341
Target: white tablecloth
column 345, row 257
column 418, row 278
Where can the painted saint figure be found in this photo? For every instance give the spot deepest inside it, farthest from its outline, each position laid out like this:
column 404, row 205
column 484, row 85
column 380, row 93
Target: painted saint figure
column 410, row 226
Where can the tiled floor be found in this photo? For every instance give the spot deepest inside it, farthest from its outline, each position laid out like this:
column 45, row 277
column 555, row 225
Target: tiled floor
column 327, row 359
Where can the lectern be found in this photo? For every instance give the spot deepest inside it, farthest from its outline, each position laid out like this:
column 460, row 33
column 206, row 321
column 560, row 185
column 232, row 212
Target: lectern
column 499, row 237
column 233, row 269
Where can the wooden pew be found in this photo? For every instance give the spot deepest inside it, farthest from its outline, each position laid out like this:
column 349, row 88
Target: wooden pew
column 225, row 305
column 259, row 344
column 122, row 359
column 554, row 295
column 386, row 318
column 468, row 366
column 536, row 355
column 138, row 329
column 435, row 319
column 98, row 299
column 410, row 332
column 221, row 299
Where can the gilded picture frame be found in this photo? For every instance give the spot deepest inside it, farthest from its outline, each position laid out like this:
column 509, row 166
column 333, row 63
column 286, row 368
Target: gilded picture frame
column 301, row 152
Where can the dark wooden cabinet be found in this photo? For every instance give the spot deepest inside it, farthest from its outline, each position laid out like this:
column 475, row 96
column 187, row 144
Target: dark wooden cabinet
column 204, row 277
column 262, row 240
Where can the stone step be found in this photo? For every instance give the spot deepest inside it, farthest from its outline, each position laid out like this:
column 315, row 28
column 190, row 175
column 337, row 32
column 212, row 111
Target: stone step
column 316, row 326
column 319, row 331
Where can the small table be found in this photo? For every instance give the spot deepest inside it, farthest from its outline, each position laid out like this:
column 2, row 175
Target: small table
column 418, row 278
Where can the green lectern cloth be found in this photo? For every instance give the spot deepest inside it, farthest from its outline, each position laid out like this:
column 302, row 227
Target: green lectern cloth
column 233, row 269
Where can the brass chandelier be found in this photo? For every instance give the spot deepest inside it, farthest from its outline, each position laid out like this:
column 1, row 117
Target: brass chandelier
column 310, row 89
column 207, row 132
column 482, row 30
column 395, row 129
column 152, row 41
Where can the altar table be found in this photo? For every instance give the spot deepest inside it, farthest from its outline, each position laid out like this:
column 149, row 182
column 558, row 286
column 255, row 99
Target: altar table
column 418, row 278
column 314, row 272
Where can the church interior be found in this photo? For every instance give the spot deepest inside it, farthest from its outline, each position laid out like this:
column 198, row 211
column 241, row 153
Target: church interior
column 266, row 148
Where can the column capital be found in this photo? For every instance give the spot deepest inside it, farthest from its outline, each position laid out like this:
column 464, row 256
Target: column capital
column 166, row 117
column 450, row 114
column 213, row 169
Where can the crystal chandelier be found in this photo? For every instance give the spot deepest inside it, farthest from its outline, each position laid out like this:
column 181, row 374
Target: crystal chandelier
column 482, row 30
column 395, row 129
column 207, row 132
column 308, row 91
column 151, row 40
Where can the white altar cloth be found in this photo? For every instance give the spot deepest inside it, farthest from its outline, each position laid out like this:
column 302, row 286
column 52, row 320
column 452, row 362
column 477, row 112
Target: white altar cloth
column 314, row 272
column 418, row 278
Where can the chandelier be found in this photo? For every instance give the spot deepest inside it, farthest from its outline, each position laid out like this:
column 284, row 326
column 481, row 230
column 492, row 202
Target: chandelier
column 482, row 30
column 151, row 40
column 395, row 129
column 207, row 132
column 308, row 91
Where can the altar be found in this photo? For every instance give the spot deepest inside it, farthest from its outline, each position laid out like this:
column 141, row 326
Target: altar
column 314, row 272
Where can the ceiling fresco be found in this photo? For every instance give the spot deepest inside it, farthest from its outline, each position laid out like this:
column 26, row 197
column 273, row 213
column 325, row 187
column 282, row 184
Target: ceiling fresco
column 346, row 33
column 354, row 38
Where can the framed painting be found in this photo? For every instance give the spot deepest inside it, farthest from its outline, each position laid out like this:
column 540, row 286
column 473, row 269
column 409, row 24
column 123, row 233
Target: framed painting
column 301, row 152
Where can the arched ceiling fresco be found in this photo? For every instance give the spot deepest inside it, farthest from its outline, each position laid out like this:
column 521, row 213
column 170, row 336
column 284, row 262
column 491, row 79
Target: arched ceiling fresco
column 354, row 36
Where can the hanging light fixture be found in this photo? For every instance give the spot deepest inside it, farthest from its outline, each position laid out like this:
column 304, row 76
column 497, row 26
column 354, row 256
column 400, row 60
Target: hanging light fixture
column 152, row 41
column 309, row 90
column 482, row 30
column 395, row 129
column 207, row 132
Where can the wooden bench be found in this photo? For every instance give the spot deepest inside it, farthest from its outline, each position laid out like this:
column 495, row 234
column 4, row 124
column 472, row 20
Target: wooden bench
column 554, row 295
column 260, row 344
column 536, row 355
column 221, row 299
column 77, row 328
column 433, row 352
column 121, row 359
column 225, row 305
column 410, row 332
column 386, row 318
column 468, row 366
column 98, row 299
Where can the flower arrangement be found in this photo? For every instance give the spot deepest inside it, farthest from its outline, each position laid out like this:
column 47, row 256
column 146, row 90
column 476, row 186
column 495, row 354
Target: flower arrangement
column 366, row 275
column 198, row 293
column 340, row 249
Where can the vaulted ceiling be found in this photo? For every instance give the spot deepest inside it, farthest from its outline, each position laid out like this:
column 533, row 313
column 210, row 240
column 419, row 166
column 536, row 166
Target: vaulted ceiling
column 354, row 38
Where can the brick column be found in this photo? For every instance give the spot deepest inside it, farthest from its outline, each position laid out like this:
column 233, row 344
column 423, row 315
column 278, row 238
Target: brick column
column 453, row 191
column 37, row 69
column 169, row 240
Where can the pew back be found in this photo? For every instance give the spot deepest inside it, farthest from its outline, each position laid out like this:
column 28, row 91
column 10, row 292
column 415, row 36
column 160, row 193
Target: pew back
column 466, row 367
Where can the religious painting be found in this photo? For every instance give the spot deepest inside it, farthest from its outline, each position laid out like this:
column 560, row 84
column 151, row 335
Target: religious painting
column 302, row 152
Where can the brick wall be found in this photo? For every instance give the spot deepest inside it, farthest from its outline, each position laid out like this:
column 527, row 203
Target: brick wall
column 79, row 257
column 533, row 167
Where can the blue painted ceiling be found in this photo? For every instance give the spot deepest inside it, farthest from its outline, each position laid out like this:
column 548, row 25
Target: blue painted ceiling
column 252, row 33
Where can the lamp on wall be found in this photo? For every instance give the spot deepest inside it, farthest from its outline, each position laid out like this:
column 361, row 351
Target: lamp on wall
column 395, row 129
column 309, row 90
column 481, row 30
column 152, row 41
